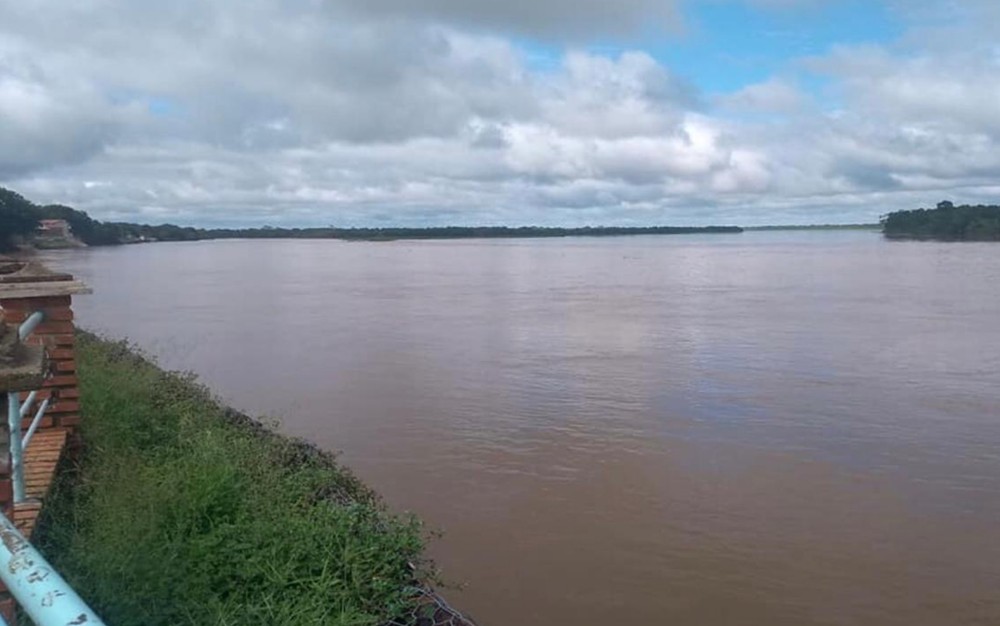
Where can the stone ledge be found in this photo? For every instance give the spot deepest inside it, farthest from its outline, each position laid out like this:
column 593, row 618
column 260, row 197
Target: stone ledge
column 28, row 279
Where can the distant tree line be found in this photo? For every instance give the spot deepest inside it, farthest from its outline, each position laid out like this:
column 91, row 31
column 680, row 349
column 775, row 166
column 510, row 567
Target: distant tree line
column 456, row 232
column 947, row 222
column 19, row 220
column 817, row 227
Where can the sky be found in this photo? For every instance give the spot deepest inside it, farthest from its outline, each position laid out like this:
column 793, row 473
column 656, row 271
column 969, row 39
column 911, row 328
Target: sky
column 521, row 112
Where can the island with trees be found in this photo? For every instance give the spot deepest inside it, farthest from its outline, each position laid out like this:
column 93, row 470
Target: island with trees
column 946, row 222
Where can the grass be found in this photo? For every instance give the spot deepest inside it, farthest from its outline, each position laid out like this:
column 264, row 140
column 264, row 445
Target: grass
column 180, row 511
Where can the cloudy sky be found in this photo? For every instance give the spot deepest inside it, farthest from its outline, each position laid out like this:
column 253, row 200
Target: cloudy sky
column 556, row 112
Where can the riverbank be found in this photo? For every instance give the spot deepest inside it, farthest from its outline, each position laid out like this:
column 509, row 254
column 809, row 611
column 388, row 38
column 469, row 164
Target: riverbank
column 179, row 510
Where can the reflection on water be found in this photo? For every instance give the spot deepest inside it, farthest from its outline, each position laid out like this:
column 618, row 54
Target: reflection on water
column 767, row 428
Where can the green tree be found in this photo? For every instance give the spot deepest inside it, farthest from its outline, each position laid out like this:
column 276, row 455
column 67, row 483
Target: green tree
column 947, row 222
column 18, row 218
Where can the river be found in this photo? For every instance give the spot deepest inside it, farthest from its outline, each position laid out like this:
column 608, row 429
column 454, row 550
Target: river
column 780, row 428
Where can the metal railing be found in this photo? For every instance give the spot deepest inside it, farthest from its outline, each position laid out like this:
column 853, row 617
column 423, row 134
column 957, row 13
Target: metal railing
column 36, row 586
column 39, row 590
column 16, row 411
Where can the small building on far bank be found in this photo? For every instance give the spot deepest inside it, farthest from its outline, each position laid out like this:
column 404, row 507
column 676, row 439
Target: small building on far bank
column 55, row 234
column 54, row 228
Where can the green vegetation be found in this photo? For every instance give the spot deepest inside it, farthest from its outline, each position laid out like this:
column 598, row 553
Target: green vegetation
column 458, row 232
column 817, row 227
column 947, row 222
column 181, row 511
column 19, row 218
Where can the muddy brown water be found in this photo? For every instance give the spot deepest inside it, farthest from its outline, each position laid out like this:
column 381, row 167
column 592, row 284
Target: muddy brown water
column 769, row 428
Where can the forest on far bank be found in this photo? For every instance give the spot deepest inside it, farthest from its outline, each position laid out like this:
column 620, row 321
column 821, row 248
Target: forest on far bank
column 946, row 222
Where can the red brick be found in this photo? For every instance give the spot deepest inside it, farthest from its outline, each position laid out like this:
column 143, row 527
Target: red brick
column 15, row 317
column 51, row 342
column 54, row 328
column 45, row 422
column 6, row 491
column 41, row 394
column 57, row 354
column 36, row 339
column 64, row 314
column 69, row 394
column 60, row 314
column 65, row 406
column 65, row 366
column 68, row 420
column 68, row 380
column 59, row 340
column 33, row 304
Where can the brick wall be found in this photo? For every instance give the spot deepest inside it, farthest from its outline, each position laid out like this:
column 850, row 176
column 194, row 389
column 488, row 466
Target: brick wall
column 7, row 506
column 56, row 334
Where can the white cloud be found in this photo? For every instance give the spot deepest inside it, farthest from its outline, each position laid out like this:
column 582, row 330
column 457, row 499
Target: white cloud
column 950, row 88
column 45, row 122
column 560, row 19
column 774, row 95
column 310, row 112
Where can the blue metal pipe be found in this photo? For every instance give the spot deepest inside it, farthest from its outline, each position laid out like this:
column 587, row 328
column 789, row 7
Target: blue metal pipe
column 16, row 451
column 30, row 324
column 34, row 424
column 26, row 406
column 42, row 593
